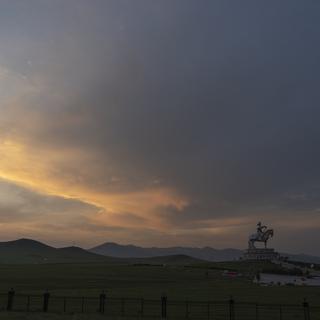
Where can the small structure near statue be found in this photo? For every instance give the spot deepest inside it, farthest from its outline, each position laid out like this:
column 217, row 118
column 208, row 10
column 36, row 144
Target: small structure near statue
column 263, row 234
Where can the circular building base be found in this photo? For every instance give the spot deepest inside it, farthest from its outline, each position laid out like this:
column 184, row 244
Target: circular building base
column 261, row 254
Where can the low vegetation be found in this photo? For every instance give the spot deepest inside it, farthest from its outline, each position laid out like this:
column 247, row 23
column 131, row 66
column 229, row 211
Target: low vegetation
column 200, row 282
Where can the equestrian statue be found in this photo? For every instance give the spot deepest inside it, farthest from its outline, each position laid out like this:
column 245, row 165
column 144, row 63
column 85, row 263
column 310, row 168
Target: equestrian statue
column 263, row 234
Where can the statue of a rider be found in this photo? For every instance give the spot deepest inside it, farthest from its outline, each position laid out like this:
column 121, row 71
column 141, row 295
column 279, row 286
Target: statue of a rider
column 260, row 230
column 262, row 235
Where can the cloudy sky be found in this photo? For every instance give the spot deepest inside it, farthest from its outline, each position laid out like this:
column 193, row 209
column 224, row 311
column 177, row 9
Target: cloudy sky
column 172, row 122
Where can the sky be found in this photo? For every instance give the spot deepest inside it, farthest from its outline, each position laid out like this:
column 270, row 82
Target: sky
column 160, row 123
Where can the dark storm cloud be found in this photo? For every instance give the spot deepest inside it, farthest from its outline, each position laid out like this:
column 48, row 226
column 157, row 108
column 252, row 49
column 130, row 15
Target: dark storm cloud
column 218, row 100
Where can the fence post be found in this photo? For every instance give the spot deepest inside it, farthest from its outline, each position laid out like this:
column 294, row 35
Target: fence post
column 164, row 306
column 11, row 294
column 208, row 309
column 46, row 297
column 82, row 305
column 306, row 310
column 64, row 304
column 142, row 307
column 122, row 306
column 187, row 309
column 257, row 311
column 231, row 308
column 28, row 303
column 102, row 302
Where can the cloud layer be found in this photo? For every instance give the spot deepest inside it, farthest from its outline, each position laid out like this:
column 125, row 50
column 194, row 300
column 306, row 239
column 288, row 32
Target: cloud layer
column 168, row 122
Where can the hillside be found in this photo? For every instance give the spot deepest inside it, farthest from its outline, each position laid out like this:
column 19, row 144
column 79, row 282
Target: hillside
column 207, row 253
column 130, row 251
column 164, row 260
column 303, row 258
column 31, row 251
column 27, row 251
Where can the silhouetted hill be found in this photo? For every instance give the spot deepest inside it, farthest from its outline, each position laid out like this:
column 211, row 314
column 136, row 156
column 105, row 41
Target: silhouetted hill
column 31, row 251
column 209, row 254
column 22, row 244
column 130, row 251
column 28, row 251
column 179, row 259
column 303, row 258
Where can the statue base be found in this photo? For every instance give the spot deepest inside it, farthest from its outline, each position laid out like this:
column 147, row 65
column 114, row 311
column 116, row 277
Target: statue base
column 264, row 254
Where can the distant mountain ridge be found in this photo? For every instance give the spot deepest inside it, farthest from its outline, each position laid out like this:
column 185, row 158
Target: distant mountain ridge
column 131, row 251
column 303, row 258
column 32, row 251
column 206, row 253
column 28, row 251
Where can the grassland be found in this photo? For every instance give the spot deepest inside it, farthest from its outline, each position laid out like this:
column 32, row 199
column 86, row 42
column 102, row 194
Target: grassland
column 200, row 282
column 197, row 282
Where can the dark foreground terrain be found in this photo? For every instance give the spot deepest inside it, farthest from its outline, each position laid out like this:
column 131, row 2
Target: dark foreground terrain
column 198, row 282
column 195, row 289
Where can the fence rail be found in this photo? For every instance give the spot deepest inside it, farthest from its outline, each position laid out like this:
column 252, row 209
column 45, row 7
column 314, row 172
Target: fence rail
column 163, row 308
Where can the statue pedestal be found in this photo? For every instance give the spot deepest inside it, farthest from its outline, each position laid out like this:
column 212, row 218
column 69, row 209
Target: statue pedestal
column 261, row 254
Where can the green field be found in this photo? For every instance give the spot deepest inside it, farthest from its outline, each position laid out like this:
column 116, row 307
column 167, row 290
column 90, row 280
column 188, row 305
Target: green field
column 178, row 282
column 201, row 282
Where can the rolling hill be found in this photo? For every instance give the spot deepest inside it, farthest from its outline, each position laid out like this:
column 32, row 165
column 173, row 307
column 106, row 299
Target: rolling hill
column 31, row 251
column 206, row 253
column 28, row 251
column 130, row 251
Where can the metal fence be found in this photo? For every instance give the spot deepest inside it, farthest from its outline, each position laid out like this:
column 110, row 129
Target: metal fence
column 162, row 308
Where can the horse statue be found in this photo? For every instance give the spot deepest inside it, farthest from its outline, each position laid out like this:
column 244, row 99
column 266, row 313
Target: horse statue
column 263, row 235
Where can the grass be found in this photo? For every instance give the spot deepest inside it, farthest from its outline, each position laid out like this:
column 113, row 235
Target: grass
column 178, row 282
column 41, row 316
column 201, row 282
